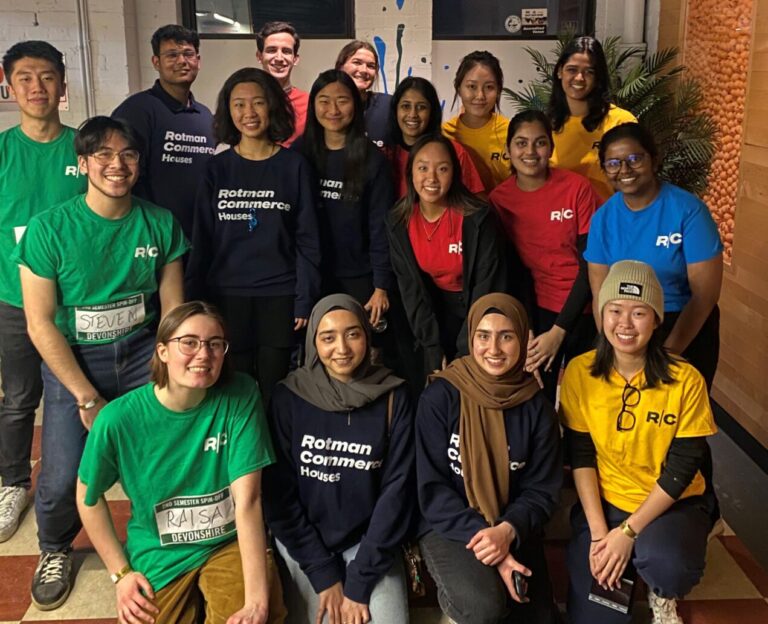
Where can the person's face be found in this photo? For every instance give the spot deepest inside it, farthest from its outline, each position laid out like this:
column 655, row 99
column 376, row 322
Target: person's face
column 635, row 174
column 177, row 63
column 199, row 370
column 432, row 173
column 278, row 57
column 334, row 107
column 341, row 344
column 413, row 113
column 37, row 87
column 628, row 325
column 495, row 345
column 479, row 91
column 113, row 168
column 530, row 150
column 362, row 68
column 577, row 76
column 249, row 110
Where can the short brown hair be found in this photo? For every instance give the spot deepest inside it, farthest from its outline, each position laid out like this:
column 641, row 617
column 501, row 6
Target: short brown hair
column 168, row 326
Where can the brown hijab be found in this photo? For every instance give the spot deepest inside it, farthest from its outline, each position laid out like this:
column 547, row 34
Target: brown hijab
column 484, row 397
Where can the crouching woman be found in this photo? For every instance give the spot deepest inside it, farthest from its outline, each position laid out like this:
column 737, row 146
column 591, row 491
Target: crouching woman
column 188, row 449
column 489, row 471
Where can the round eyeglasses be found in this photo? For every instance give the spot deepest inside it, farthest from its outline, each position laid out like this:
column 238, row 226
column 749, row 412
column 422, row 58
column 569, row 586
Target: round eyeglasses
column 634, row 161
column 190, row 345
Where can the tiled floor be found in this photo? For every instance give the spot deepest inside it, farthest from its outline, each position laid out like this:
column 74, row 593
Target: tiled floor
column 734, row 589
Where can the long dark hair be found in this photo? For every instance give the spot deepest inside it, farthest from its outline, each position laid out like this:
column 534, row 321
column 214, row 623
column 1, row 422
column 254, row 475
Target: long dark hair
column 356, row 145
column 478, row 57
column 658, row 361
column 458, row 197
column 598, row 100
column 279, row 108
column 427, row 90
column 529, row 116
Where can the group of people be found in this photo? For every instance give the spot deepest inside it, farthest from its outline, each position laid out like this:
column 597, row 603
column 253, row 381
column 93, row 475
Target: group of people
column 334, row 307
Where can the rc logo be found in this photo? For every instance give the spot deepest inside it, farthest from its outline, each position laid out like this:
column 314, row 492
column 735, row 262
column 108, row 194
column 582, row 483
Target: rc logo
column 146, row 252
column 72, row 170
column 673, row 238
column 561, row 215
column 215, row 443
column 454, row 248
column 661, row 419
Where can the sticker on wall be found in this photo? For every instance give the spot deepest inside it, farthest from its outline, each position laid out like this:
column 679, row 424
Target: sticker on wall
column 8, row 102
column 513, row 23
column 534, row 21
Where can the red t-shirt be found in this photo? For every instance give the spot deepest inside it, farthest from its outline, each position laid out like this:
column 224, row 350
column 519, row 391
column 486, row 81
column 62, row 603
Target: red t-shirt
column 398, row 157
column 300, row 101
column 437, row 247
column 544, row 225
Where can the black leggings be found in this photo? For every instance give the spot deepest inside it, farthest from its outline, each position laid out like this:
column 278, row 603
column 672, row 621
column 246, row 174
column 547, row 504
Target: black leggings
column 261, row 337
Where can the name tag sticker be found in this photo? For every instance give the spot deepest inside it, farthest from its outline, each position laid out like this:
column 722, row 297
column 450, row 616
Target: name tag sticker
column 18, row 232
column 110, row 320
column 191, row 519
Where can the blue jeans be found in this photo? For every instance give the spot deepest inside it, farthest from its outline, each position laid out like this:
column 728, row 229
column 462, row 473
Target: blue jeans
column 22, row 388
column 389, row 599
column 113, row 369
column 669, row 555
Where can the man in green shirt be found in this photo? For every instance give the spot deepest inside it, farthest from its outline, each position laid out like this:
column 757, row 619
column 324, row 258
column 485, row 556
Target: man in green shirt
column 96, row 273
column 38, row 169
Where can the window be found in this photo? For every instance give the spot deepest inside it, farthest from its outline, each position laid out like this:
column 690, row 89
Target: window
column 241, row 18
column 510, row 19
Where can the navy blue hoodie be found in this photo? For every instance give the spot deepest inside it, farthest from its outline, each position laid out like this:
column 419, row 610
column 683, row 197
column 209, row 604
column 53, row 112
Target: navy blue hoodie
column 535, row 465
column 341, row 478
column 255, row 230
column 178, row 141
column 353, row 234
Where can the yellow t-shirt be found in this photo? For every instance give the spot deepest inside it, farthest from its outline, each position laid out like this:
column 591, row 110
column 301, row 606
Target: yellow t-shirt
column 629, row 462
column 576, row 149
column 487, row 146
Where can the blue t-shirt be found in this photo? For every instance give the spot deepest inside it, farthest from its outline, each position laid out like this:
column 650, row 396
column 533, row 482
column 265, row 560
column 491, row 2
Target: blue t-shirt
column 675, row 230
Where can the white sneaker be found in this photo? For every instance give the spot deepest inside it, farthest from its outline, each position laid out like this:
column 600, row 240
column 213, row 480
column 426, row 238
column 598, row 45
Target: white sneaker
column 13, row 501
column 664, row 610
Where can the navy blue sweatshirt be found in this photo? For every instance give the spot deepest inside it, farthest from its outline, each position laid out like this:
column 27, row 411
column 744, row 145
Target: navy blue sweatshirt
column 255, row 230
column 353, row 234
column 341, row 478
column 377, row 107
column 535, row 465
column 178, row 141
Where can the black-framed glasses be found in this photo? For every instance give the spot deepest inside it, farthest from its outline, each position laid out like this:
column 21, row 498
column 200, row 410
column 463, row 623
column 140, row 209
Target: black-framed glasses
column 190, row 345
column 634, row 161
column 106, row 156
column 630, row 397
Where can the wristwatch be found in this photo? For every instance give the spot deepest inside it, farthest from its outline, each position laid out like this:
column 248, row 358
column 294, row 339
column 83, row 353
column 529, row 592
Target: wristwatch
column 126, row 569
column 90, row 404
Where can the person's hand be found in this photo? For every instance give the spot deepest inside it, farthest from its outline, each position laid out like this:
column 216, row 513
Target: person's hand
column 505, row 569
column 543, row 348
column 299, row 323
column 133, row 606
column 491, row 545
column 593, row 560
column 87, row 417
column 354, row 612
column 329, row 601
column 611, row 555
column 250, row 614
column 377, row 305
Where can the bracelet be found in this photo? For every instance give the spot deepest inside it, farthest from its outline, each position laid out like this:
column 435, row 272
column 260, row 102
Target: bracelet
column 628, row 530
column 89, row 404
column 125, row 571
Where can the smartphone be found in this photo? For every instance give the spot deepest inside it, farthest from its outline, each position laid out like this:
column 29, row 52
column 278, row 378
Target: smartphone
column 521, row 587
column 617, row 599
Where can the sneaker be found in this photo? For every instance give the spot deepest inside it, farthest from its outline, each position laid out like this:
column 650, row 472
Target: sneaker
column 664, row 610
column 13, row 501
column 52, row 580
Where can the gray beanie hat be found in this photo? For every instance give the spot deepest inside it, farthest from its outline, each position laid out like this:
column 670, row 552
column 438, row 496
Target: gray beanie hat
column 633, row 280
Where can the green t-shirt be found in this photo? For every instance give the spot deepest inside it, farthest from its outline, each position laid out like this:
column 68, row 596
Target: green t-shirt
column 33, row 178
column 176, row 468
column 106, row 271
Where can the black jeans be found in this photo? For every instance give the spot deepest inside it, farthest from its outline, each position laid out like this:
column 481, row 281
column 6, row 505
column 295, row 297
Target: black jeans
column 470, row 592
column 22, row 387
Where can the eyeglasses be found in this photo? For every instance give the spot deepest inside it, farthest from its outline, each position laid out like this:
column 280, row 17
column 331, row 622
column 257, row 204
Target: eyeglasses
column 190, row 345
column 106, row 156
column 175, row 55
column 630, row 397
column 634, row 161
